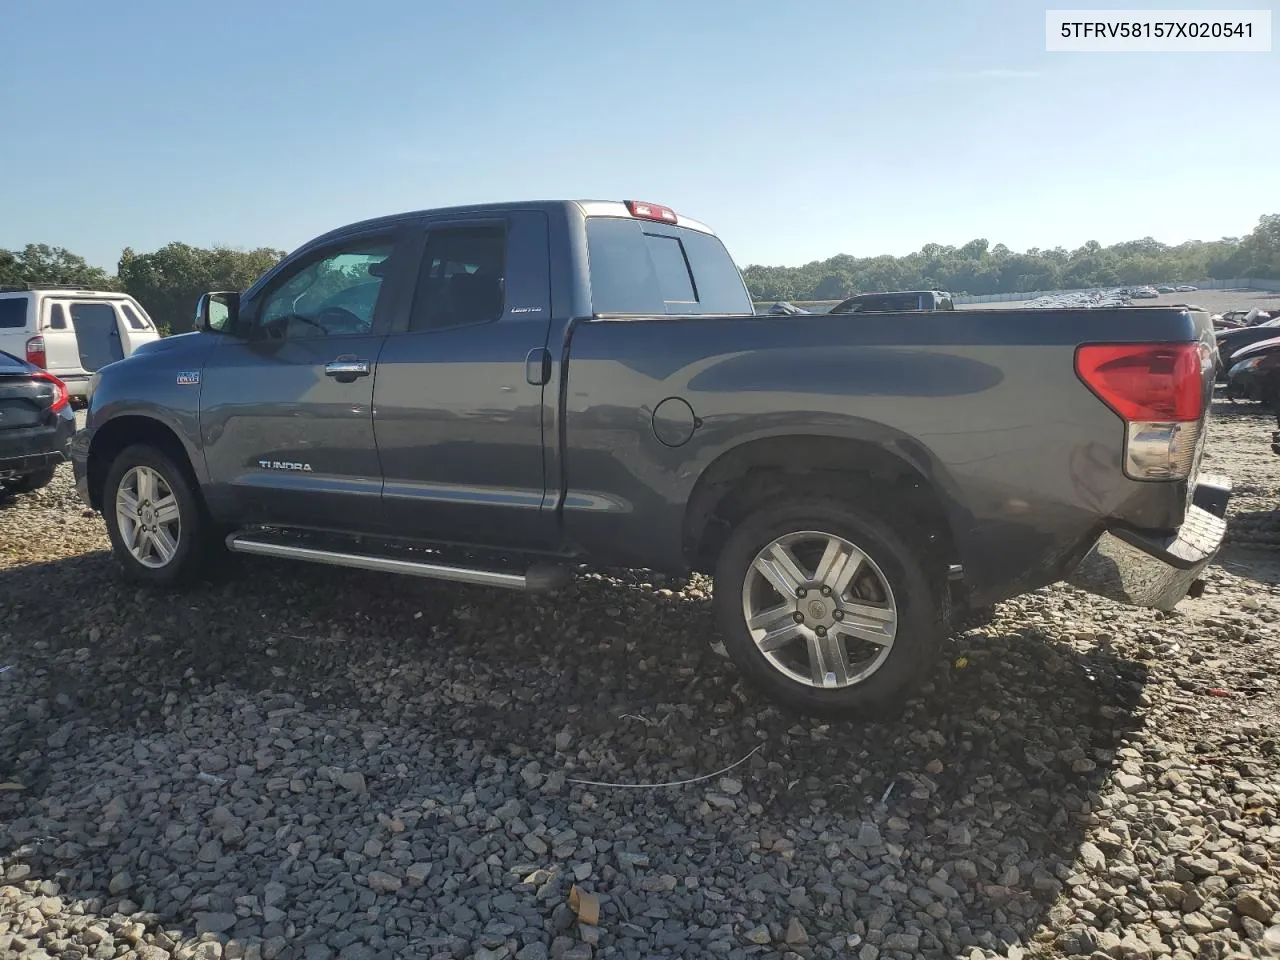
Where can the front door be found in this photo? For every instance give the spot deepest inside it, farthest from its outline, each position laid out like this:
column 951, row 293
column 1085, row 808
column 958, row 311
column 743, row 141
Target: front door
column 286, row 404
column 462, row 388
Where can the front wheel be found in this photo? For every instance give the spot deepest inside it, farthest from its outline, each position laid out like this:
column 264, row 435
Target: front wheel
column 829, row 610
column 154, row 517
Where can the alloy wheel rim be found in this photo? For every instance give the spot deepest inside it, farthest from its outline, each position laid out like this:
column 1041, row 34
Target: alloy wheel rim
column 819, row 609
column 148, row 517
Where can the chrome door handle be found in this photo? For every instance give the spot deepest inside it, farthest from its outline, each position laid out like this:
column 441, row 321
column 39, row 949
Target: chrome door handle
column 346, row 369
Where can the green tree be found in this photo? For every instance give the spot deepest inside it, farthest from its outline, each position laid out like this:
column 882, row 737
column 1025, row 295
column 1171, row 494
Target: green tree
column 1261, row 249
column 169, row 281
column 41, row 263
column 979, row 267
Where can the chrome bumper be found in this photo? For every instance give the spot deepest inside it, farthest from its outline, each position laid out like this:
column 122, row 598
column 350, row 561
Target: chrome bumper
column 1158, row 572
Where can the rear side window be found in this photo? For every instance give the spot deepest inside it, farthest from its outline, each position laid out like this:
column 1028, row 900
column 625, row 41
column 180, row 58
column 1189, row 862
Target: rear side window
column 13, row 313
column 462, row 279
column 135, row 321
column 57, row 317
column 649, row 268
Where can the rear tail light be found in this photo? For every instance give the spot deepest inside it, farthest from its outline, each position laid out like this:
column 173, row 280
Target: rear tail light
column 35, row 352
column 1158, row 389
column 60, row 396
column 651, row 211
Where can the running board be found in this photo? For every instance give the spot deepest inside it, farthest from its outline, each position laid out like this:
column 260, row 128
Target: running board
column 539, row 578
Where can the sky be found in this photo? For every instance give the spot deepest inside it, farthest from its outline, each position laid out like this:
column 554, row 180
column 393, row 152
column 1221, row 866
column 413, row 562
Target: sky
column 796, row 130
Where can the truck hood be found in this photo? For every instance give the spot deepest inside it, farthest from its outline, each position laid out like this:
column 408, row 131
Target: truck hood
column 182, row 343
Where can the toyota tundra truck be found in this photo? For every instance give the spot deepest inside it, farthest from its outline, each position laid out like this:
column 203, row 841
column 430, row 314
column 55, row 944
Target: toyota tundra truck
column 506, row 394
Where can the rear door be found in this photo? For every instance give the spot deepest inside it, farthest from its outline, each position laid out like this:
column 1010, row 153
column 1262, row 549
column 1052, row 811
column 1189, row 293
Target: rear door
column 286, row 401
column 460, row 396
column 97, row 329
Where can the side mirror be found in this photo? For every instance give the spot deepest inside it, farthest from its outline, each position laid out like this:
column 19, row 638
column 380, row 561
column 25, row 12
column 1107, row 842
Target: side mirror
column 218, row 312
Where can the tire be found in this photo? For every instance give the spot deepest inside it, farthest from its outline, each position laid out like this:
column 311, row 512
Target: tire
column 895, row 574
column 29, row 482
column 158, row 561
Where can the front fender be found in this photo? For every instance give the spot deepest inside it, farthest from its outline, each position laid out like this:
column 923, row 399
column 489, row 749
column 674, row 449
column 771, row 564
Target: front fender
column 159, row 384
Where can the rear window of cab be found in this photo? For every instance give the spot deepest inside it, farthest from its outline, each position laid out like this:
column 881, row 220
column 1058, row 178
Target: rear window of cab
column 646, row 268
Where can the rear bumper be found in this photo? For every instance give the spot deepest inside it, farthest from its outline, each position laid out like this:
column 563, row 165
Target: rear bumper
column 21, row 466
column 1146, row 571
column 36, row 449
column 77, row 383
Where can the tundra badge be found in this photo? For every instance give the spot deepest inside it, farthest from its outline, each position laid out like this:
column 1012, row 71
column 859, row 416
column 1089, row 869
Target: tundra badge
column 188, row 377
column 284, row 465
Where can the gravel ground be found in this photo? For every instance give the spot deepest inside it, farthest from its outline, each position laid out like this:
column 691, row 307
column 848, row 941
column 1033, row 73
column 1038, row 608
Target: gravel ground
column 300, row 762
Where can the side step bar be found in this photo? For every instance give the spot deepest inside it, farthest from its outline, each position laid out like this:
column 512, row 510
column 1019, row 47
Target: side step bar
column 539, row 578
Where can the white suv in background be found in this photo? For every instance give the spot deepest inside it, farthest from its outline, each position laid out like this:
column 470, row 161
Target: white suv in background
column 69, row 332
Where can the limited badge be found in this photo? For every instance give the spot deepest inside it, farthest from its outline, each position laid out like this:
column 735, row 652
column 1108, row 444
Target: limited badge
column 188, row 377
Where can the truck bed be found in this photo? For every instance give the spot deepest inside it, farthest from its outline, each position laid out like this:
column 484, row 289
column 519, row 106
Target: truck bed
column 985, row 405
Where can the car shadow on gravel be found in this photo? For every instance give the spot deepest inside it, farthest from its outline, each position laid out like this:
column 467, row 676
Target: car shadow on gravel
column 993, row 771
column 1254, row 528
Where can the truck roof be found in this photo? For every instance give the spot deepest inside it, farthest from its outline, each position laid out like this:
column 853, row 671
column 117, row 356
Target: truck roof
column 586, row 208
column 61, row 290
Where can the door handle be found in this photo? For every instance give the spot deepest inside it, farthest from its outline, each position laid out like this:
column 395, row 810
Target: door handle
column 346, row 369
column 537, row 366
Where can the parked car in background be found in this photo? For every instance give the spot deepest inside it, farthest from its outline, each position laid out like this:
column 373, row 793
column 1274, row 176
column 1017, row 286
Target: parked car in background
column 1255, row 373
column 36, row 425
column 1165, row 288
column 895, row 301
column 1230, row 341
column 71, row 332
column 535, row 387
column 1143, row 293
column 1185, row 288
column 784, row 308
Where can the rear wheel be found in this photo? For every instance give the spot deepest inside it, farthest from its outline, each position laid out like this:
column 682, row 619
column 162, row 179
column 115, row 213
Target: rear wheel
column 28, row 482
column 155, row 519
column 828, row 609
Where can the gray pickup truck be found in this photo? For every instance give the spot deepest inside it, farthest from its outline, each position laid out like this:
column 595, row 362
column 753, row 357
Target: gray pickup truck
column 503, row 394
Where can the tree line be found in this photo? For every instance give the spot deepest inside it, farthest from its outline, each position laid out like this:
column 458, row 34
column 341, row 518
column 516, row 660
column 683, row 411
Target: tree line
column 977, row 268
column 169, row 281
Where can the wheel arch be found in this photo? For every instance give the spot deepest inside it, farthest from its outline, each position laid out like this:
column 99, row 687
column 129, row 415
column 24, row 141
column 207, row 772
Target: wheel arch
column 124, row 431
column 756, row 470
